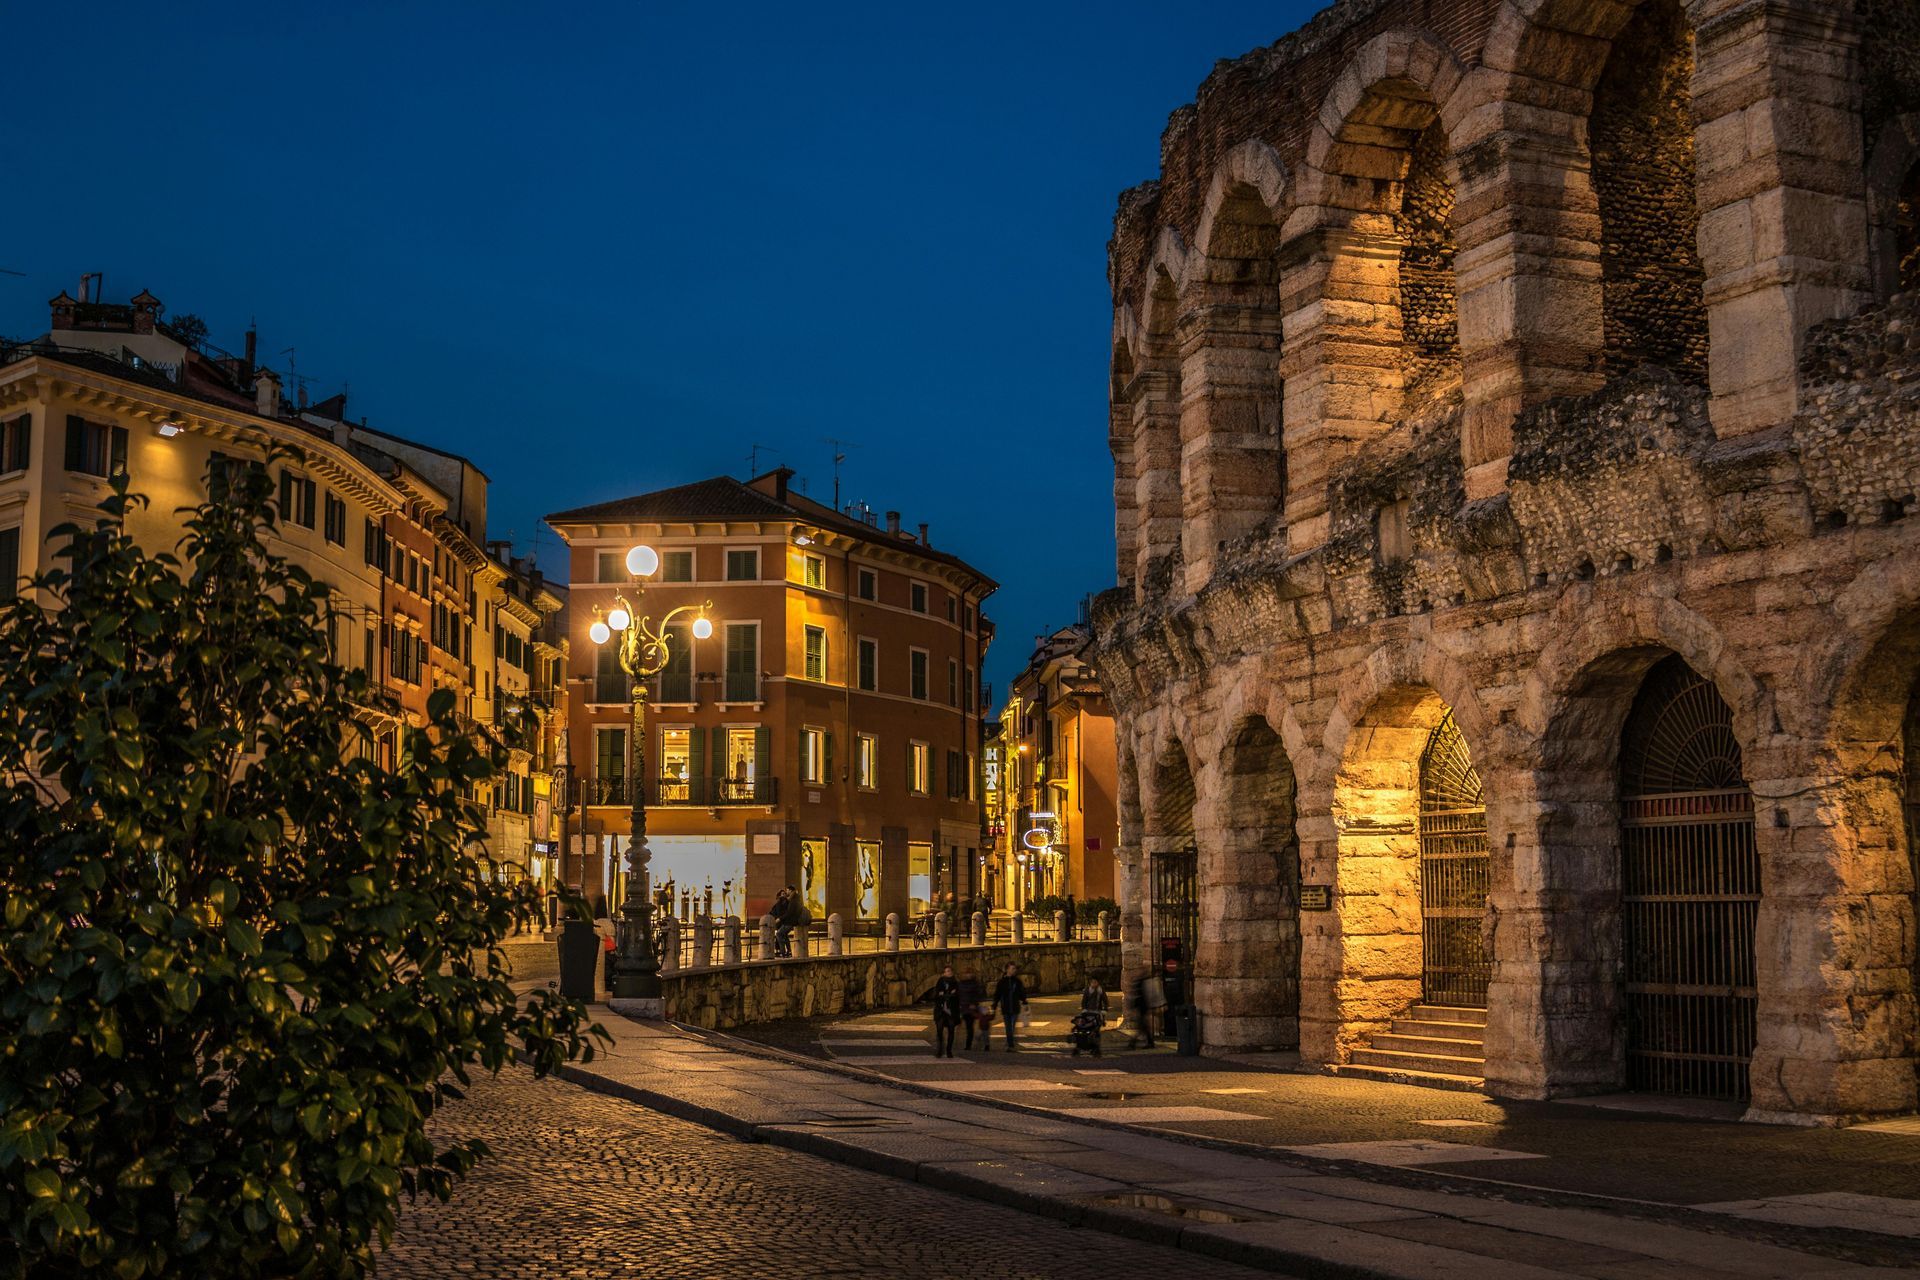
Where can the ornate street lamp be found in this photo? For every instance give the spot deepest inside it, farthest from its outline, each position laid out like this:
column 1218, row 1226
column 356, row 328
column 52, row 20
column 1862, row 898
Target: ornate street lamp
column 645, row 648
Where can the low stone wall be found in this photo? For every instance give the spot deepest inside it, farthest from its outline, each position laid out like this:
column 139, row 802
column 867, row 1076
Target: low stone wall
column 767, row 990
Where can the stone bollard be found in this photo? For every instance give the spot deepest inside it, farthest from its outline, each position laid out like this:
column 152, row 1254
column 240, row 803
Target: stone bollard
column 1059, row 926
column 802, row 941
column 766, row 937
column 667, row 938
column 834, row 934
column 1103, row 926
column 979, row 928
column 940, row 931
column 893, row 931
column 730, row 940
column 702, row 942
column 1019, row 928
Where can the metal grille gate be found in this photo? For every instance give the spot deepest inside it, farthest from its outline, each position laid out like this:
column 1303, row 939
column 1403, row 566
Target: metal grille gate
column 1910, row 743
column 1175, row 900
column 1454, row 865
column 1690, row 890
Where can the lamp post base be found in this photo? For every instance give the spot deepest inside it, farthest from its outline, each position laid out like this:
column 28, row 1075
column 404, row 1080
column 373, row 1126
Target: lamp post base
column 638, row 1006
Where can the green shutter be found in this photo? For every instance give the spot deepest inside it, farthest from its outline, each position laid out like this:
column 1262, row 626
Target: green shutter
column 697, row 789
column 827, row 772
column 76, row 443
column 762, row 752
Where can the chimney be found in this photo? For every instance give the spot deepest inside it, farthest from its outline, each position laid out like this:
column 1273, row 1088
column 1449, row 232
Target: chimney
column 893, row 523
column 266, row 394
column 923, row 536
column 146, row 311
column 780, row 477
column 63, row 307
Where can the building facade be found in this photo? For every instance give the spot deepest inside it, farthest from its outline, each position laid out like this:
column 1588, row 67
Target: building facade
column 1515, row 468
column 395, row 529
column 1054, row 805
column 827, row 734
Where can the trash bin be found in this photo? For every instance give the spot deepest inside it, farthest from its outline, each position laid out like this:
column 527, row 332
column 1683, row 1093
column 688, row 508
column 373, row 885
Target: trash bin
column 579, row 955
column 1186, row 1027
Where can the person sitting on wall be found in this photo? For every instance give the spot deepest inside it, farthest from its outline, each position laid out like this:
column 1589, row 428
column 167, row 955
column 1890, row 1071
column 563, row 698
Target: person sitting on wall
column 781, row 913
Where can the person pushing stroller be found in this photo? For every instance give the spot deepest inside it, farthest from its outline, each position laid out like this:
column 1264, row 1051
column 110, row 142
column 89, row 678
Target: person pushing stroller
column 1091, row 1020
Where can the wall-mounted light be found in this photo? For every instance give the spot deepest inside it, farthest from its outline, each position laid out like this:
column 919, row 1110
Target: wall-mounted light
column 168, row 430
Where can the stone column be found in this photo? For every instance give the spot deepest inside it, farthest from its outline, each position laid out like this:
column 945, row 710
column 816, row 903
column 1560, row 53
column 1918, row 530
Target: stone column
column 730, row 941
column 979, row 928
column 669, row 935
column 1104, row 926
column 766, row 937
column 1230, row 460
column 1340, row 364
column 802, row 941
column 1060, row 926
column 893, row 931
column 1019, row 928
column 940, row 929
column 1527, row 274
column 1155, row 396
column 1246, row 982
column 834, row 935
column 702, row 942
column 1778, row 151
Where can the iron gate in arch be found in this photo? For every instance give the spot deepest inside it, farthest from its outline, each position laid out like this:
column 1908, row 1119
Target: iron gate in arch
column 1175, row 901
column 1689, row 890
column 1454, row 865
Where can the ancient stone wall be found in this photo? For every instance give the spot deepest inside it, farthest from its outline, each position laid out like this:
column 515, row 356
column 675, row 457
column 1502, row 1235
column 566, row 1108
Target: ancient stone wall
column 768, row 990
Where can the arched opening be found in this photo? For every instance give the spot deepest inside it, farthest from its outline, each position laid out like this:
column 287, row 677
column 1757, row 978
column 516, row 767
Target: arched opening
column 1429, row 306
column 1155, row 399
column 1126, row 512
column 1411, row 886
column 1247, row 969
column 1689, row 891
column 1173, row 864
column 1906, row 232
column 1641, row 141
column 1910, row 808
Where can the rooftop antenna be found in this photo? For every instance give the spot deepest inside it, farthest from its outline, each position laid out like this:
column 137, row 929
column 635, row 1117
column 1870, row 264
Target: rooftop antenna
column 293, row 376
column 753, row 458
column 6, row 272
column 839, row 456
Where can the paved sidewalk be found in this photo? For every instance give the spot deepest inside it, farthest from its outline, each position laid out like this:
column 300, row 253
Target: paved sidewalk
column 1299, row 1214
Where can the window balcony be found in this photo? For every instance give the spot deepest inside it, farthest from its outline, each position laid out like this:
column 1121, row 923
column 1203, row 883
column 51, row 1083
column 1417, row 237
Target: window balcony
column 711, row 793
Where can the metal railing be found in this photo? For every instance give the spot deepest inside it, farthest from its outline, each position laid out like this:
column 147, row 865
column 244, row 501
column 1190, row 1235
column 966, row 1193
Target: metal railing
column 709, row 791
column 999, row 933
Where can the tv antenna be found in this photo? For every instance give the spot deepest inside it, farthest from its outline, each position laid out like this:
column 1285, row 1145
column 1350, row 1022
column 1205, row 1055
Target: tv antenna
column 753, row 458
column 839, row 456
column 6, row 272
column 293, row 376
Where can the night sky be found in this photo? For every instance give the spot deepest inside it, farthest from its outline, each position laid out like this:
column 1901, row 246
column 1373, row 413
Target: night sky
column 608, row 248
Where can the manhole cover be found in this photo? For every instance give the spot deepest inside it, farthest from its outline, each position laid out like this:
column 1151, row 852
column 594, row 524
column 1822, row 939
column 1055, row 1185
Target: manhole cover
column 1172, row 1208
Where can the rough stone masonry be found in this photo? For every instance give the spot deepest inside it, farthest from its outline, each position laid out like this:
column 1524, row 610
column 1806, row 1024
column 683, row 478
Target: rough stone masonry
column 1545, row 369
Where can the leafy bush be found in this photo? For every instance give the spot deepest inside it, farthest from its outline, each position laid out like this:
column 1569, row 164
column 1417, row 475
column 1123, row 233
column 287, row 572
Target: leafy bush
column 241, row 964
column 1087, row 912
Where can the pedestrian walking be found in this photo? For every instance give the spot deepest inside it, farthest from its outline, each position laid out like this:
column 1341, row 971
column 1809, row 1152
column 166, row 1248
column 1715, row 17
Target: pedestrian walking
column 1010, row 1001
column 974, row 1007
column 1147, row 997
column 944, row 996
column 1073, row 916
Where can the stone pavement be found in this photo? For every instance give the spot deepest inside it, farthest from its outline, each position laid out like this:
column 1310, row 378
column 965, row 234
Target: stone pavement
column 1309, row 1213
column 1604, row 1147
column 582, row 1185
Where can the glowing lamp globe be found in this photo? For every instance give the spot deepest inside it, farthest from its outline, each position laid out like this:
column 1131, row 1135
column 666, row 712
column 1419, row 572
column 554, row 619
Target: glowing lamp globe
column 619, row 619
column 702, row 628
column 599, row 633
column 642, row 561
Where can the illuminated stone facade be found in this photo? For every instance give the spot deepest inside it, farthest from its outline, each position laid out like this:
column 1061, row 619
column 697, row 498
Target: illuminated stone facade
column 1478, row 363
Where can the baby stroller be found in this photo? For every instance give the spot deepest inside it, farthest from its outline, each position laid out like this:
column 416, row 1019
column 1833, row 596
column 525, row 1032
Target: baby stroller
column 1086, row 1031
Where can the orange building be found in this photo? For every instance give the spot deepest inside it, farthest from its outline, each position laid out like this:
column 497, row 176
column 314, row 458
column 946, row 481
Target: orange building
column 827, row 735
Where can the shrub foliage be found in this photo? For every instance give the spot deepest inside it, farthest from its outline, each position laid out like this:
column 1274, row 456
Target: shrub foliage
column 241, row 963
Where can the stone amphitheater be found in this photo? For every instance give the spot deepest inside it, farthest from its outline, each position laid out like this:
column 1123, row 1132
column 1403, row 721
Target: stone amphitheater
column 1516, row 464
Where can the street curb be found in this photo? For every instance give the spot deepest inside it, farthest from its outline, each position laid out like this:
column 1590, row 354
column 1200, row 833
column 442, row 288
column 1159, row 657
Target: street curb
column 1154, row 1228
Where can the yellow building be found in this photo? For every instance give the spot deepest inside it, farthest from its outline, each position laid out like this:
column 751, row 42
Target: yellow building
column 394, row 528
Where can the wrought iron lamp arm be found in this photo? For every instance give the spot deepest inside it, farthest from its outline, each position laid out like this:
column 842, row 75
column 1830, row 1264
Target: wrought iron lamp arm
column 645, row 647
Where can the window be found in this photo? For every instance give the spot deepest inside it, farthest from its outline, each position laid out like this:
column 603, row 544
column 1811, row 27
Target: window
column 9, row 563
column 676, row 678
column 16, row 443
column 743, row 565
column 96, row 449
column 676, row 566
column 813, row 756
column 919, row 877
column 813, row 571
column 816, row 668
column 919, row 768
column 919, row 597
column 869, row 588
column 953, row 683
column 610, row 566
column 951, row 605
column 743, row 661
column 967, row 687
column 966, row 618
column 869, row 663
column 746, row 745
column 609, row 760
column 917, row 686
column 609, row 681
column 336, row 521
column 375, row 545
column 676, row 765
column 953, row 774
column 297, row 495
column 866, row 761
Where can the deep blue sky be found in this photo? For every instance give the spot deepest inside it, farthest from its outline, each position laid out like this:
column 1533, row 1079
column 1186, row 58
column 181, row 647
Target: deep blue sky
column 606, row 248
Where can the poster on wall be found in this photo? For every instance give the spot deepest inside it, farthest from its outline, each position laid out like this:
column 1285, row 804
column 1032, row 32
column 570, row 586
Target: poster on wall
column 866, row 903
column 813, row 877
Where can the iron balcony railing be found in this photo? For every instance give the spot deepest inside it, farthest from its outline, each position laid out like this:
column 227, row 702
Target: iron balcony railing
column 708, row 792
column 605, row 790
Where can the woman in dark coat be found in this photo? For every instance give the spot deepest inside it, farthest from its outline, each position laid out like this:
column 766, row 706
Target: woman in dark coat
column 944, row 995
column 973, row 1008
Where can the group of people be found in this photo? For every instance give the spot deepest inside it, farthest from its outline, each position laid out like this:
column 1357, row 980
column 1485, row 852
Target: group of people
column 964, row 1002
column 788, row 912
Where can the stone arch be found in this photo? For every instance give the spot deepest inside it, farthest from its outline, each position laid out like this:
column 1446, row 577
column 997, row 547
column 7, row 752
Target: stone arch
column 1893, row 208
column 1555, row 42
column 1153, row 398
column 1120, row 444
column 1232, row 466
column 1365, row 961
column 1247, row 970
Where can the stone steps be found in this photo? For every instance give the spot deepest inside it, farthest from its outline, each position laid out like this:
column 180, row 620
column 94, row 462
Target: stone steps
column 1439, row 1046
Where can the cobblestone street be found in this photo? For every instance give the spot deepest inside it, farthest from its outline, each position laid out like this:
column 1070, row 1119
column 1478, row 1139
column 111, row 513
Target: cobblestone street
column 585, row 1185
